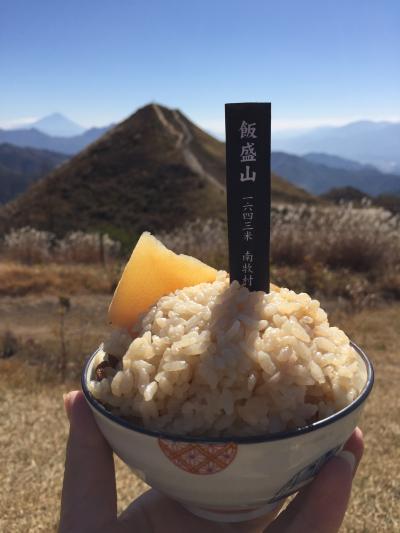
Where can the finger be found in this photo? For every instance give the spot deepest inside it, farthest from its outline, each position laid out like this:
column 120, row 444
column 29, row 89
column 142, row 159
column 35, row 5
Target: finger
column 89, row 499
column 321, row 506
column 155, row 512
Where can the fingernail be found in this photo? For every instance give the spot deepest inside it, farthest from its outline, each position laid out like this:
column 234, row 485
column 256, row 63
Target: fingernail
column 349, row 458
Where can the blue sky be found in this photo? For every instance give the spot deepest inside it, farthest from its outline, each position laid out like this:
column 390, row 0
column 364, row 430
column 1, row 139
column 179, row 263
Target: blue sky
column 97, row 61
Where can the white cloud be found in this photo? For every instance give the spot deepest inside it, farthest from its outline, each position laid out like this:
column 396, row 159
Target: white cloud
column 11, row 124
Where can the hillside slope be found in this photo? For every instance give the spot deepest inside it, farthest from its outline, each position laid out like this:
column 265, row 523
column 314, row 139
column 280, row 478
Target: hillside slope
column 21, row 166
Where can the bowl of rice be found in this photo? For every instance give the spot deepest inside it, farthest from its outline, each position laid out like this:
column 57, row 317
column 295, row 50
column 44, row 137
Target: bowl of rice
column 226, row 400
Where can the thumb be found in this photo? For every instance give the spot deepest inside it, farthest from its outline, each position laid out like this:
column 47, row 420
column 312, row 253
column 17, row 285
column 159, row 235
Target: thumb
column 89, row 501
column 321, row 506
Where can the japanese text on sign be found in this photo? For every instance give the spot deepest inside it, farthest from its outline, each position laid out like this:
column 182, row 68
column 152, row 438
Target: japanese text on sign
column 248, row 155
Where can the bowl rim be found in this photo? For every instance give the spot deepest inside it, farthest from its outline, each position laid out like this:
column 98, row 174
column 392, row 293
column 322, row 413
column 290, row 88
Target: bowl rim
column 254, row 439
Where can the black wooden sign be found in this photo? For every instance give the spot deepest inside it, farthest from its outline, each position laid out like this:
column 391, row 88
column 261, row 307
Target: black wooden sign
column 248, row 184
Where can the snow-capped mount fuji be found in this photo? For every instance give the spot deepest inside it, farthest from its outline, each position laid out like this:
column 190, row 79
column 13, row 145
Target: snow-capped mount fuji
column 58, row 125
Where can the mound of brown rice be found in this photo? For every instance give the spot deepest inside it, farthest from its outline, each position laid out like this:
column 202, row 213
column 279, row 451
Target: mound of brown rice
column 216, row 359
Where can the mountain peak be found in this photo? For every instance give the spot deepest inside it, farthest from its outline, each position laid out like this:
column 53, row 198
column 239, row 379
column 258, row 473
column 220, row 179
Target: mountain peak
column 58, row 125
column 151, row 110
column 55, row 116
column 154, row 171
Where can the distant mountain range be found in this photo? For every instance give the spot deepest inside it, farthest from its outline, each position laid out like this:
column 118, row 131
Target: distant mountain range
column 318, row 173
column 335, row 161
column 363, row 142
column 19, row 167
column 156, row 170
column 375, row 143
column 314, row 172
column 33, row 138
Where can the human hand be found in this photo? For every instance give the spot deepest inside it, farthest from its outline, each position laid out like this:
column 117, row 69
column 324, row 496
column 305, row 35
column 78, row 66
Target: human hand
column 89, row 497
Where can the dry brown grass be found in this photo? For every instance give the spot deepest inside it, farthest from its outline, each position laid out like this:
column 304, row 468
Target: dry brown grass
column 30, row 246
column 17, row 279
column 375, row 501
column 33, row 427
column 35, row 324
column 33, row 435
column 357, row 239
column 354, row 289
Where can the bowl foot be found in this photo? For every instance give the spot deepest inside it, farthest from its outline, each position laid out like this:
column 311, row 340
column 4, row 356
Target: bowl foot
column 233, row 515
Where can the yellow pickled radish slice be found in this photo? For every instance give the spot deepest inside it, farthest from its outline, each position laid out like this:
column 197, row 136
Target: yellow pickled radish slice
column 152, row 272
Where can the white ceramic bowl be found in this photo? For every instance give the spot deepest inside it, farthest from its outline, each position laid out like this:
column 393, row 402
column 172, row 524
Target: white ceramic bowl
column 229, row 479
